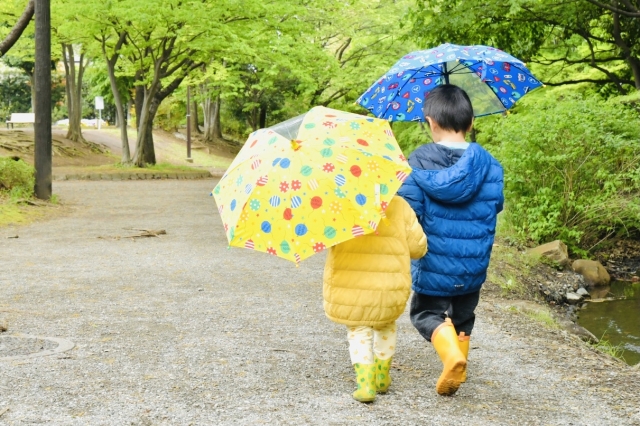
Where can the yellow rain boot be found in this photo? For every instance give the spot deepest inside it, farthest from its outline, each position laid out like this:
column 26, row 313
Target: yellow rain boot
column 445, row 342
column 383, row 378
column 366, row 379
column 463, row 343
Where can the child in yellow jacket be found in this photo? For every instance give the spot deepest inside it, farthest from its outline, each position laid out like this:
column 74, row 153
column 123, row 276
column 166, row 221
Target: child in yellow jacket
column 367, row 282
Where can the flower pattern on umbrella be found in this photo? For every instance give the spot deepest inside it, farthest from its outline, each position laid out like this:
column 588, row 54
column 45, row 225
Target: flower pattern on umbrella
column 296, row 198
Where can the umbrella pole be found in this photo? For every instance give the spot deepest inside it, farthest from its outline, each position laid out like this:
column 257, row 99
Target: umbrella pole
column 446, row 73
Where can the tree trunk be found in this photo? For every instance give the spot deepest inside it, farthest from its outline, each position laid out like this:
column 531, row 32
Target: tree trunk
column 145, row 153
column 121, row 119
column 212, row 129
column 139, row 101
column 194, row 118
column 634, row 63
column 74, row 92
column 42, row 159
column 263, row 117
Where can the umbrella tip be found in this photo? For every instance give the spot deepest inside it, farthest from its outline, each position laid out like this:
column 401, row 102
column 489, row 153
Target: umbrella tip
column 295, row 144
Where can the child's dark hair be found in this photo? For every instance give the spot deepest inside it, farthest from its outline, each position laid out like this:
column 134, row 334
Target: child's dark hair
column 450, row 107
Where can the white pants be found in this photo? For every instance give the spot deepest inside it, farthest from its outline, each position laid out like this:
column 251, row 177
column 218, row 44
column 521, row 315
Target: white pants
column 365, row 341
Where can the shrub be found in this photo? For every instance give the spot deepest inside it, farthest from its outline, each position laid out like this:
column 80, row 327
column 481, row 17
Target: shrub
column 572, row 168
column 16, row 178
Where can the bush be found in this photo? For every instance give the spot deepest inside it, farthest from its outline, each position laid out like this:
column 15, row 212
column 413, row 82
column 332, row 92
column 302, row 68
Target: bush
column 572, row 168
column 16, row 178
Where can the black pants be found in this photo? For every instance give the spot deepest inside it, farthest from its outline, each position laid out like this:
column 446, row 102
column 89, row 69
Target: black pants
column 428, row 312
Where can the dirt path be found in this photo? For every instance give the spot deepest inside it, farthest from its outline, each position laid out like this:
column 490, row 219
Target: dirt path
column 178, row 330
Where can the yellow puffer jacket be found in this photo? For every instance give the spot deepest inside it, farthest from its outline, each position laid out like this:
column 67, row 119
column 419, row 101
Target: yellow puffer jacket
column 367, row 280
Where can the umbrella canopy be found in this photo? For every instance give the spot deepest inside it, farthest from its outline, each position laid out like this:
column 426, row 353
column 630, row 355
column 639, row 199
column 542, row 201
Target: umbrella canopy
column 309, row 183
column 493, row 79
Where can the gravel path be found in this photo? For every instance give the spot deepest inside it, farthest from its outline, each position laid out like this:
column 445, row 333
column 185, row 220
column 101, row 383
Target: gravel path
column 178, row 330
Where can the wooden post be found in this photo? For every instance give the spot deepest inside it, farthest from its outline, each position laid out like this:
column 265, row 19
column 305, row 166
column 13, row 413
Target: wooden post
column 42, row 77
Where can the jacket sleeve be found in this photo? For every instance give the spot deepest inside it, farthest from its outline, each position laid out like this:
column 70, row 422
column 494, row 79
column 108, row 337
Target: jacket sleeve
column 413, row 195
column 416, row 237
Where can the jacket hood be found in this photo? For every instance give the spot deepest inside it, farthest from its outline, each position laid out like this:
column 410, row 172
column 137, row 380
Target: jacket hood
column 459, row 182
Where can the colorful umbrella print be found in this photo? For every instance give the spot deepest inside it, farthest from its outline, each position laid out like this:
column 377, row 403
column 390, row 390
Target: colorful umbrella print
column 493, row 79
column 296, row 197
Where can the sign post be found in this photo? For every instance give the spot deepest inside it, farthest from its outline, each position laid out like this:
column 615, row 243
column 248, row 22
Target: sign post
column 99, row 103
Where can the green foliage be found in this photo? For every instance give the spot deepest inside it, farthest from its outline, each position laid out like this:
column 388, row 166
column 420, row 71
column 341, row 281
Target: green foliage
column 410, row 135
column 572, row 42
column 16, row 178
column 572, row 168
column 15, row 95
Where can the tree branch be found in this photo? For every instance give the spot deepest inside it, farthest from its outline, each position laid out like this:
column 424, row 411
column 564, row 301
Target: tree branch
column 18, row 28
column 635, row 13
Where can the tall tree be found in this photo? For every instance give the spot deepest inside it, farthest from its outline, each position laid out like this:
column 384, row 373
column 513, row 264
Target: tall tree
column 111, row 54
column 563, row 36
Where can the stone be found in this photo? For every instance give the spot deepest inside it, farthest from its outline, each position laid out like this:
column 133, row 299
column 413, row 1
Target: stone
column 582, row 292
column 555, row 250
column 584, row 334
column 573, row 298
column 593, row 272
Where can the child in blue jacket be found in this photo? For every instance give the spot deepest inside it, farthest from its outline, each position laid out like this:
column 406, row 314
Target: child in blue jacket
column 456, row 191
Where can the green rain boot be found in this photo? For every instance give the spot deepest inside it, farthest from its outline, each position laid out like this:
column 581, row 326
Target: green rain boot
column 383, row 376
column 366, row 379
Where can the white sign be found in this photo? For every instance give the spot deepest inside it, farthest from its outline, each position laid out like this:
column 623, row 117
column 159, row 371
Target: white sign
column 99, row 102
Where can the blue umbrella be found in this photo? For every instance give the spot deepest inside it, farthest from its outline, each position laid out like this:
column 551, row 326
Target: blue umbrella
column 493, row 79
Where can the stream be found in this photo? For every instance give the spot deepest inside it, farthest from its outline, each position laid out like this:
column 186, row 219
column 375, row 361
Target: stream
column 614, row 315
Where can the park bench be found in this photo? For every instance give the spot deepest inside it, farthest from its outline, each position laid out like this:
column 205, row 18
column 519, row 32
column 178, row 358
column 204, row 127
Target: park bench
column 21, row 117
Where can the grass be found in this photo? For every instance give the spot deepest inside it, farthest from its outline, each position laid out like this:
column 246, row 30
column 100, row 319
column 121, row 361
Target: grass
column 508, row 267
column 539, row 314
column 543, row 317
column 14, row 212
column 606, row 347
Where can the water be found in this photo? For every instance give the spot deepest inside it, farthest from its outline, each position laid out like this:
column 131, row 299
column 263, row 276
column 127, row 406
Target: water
column 617, row 320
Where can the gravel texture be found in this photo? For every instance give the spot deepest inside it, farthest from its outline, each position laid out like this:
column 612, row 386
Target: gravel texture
column 15, row 346
column 177, row 330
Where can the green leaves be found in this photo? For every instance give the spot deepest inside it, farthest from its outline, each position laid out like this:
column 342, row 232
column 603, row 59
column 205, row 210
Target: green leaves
column 571, row 167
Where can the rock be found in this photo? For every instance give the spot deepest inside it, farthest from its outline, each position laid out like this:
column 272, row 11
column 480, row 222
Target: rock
column 593, row 272
column 4, row 326
column 584, row 334
column 582, row 292
column 635, row 279
column 555, row 250
column 573, row 298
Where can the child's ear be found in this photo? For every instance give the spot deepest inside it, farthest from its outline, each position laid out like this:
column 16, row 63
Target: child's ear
column 470, row 127
column 431, row 123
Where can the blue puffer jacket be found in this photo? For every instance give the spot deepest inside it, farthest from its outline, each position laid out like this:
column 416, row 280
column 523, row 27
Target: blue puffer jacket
column 457, row 195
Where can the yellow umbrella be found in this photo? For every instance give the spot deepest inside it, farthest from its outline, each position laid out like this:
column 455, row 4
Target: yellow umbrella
column 296, row 196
